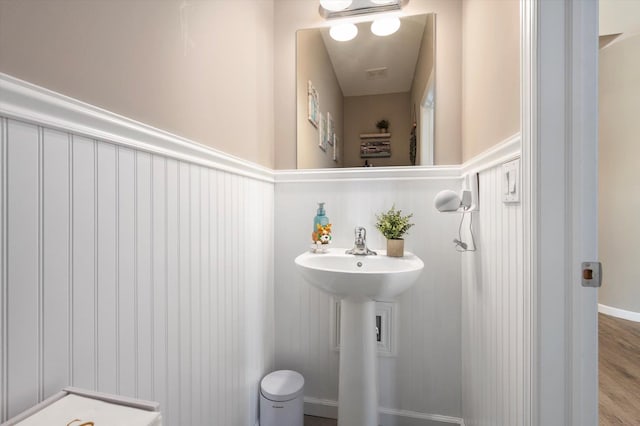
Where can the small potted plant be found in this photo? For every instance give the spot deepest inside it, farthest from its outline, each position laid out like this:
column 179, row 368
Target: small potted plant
column 383, row 125
column 393, row 225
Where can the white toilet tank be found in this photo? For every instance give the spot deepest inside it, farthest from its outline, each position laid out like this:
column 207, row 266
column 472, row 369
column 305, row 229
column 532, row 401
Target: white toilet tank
column 281, row 399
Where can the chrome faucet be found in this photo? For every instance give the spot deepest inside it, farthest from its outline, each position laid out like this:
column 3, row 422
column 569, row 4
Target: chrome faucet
column 360, row 244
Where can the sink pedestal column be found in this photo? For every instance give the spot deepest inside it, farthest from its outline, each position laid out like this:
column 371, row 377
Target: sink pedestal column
column 358, row 388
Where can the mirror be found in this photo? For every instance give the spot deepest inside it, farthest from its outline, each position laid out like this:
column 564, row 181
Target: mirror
column 346, row 89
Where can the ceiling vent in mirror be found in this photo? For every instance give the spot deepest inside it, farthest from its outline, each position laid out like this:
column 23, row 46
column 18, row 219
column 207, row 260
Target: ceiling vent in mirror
column 359, row 7
column 376, row 73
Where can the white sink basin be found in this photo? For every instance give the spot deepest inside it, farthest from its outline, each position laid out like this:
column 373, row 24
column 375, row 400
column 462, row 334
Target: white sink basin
column 359, row 281
column 349, row 276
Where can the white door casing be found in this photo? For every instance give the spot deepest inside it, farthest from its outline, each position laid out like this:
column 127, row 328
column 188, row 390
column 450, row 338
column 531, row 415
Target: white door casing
column 559, row 177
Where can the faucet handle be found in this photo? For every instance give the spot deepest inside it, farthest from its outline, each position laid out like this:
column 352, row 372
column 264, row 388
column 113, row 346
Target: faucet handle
column 360, row 245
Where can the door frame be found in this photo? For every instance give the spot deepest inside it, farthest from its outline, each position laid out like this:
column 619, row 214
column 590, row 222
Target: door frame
column 559, row 195
column 427, row 123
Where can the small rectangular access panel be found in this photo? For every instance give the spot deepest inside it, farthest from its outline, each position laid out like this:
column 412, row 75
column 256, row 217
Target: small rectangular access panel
column 385, row 326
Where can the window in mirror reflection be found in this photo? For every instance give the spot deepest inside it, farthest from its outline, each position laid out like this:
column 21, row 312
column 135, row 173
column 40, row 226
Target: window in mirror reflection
column 362, row 81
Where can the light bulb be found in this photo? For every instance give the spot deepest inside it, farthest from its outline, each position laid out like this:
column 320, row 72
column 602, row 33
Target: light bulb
column 385, row 26
column 335, row 5
column 343, row 32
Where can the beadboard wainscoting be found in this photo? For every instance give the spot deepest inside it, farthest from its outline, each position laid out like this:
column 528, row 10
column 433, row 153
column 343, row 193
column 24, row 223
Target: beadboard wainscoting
column 493, row 301
column 136, row 262
column 421, row 385
column 130, row 272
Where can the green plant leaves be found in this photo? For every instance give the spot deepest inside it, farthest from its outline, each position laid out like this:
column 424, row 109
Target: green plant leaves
column 392, row 224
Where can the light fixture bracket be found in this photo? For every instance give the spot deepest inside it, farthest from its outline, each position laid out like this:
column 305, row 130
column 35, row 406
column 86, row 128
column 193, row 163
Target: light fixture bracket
column 358, row 9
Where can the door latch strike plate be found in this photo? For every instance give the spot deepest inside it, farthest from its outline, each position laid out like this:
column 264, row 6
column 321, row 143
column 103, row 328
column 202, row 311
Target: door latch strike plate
column 591, row 274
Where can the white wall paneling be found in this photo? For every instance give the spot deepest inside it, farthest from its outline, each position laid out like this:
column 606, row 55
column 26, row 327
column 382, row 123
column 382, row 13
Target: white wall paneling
column 493, row 304
column 4, row 311
column 24, row 317
column 107, row 261
column 126, row 272
column 134, row 262
column 424, row 377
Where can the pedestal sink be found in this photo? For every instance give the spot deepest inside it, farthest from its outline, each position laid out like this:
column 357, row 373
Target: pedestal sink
column 359, row 281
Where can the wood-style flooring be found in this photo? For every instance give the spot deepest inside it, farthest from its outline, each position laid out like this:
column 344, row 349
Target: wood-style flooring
column 619, row 371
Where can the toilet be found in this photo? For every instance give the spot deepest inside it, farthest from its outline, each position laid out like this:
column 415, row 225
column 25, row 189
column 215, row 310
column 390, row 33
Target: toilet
column 281, row 399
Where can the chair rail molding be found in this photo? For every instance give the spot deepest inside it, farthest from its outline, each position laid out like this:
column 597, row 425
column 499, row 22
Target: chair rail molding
column 368, row 174
column 502, row 152
column 34, row 104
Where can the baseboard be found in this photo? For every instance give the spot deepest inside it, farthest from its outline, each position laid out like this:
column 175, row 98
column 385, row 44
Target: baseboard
column 387, row 416
column 326, row 408
column 619, row 313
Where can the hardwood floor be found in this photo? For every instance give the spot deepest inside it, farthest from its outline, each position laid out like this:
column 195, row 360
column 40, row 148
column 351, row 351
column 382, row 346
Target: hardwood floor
column 319, row 421
column 619, row 371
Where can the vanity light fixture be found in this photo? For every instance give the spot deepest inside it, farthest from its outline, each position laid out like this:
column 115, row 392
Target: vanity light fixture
column 332, row 9
column 385, row 26
column 343, row 32
column 335, row 5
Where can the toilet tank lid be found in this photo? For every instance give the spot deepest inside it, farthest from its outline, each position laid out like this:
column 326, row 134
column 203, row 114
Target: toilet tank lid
column 282, row 385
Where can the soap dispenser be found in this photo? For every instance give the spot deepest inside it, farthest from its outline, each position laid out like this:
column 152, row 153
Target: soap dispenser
column 321, row 218
column 321, row 235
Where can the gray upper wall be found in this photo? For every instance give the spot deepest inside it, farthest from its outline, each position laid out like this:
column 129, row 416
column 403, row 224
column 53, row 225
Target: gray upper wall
column 619, row 127
column 490, row 74
column 210, row 72
column 316, row 67
column 204, row 72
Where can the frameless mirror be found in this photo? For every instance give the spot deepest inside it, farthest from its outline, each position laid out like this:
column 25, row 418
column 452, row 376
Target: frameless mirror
column 347, row 90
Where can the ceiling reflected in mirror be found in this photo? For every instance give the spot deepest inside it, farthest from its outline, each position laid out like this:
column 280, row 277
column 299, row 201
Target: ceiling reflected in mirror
column 370, row 65
column 345, row 88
